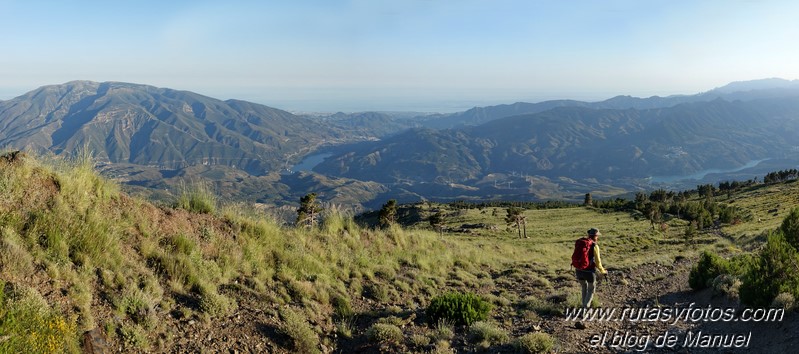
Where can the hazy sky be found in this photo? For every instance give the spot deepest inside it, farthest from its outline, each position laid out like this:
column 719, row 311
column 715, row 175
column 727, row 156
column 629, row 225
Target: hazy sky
column 427, row 55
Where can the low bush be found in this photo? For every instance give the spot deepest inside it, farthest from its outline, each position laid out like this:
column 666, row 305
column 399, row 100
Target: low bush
column 419, row 340
column 443, row 331
column 772, row 272
column 706, row 269
column 784, row 301
column 384, row 333
column 482, row 331
column 727, row 285
column 29, row 325
column 297, row 328
column 532, row 343
column 461, row 308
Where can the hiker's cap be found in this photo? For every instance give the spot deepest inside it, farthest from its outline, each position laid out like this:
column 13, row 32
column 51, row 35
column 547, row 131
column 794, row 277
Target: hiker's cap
column 594, row 232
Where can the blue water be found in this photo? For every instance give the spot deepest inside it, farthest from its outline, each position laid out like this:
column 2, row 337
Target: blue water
column 701, row 174
column 310, row 161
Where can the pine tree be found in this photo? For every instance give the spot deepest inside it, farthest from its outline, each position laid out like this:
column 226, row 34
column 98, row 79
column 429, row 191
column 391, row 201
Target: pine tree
column 388, row 214
column 437, row 221
column 790, row 228
column 308, row 212
column 690, row 232
column 515, row 216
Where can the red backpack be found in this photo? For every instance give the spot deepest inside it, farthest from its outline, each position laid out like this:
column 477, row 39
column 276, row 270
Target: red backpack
column 580, row 256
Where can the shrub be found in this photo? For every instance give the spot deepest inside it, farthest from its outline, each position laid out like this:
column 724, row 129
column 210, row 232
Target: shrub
column 771, row 273
column 419, row 340
column 461, row 308
column 215, row 304
column 377, row 292
column 482, row 331
column 384, row 333
column 785, row 301
column 790, row 228
column 300, row 332
column 443, row 331
column 538, row 342
column 28, row 324
column 728, row 285
column 706, row 269
column 133, row 336
column 135, row 304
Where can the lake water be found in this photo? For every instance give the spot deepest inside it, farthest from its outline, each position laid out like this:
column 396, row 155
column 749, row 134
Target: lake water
column 310, row 161
column 701, row 174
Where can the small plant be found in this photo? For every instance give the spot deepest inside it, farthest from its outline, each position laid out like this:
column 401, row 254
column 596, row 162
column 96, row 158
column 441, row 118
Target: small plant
column 344, row 327
column 384, row 333
column 341, row 307
column 300, row 332
column 784, row 301
column 727, row 285
column 215, row 304
column 489, row 333
column 532, row 343
column 392, row 320
column 197, row 198
column 706, row 269
column 419, row 340
column 137, row 307
column 377, row 292
column 443, row 331
column 772, row 272
column 28, row 324
column 133, row 336
column 461, row 308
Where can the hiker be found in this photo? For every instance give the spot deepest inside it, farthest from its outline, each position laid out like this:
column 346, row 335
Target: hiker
column 587, row 262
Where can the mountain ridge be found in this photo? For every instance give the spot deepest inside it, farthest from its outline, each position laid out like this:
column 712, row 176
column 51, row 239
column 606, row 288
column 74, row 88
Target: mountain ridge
column 143, row 124
column 560, row 150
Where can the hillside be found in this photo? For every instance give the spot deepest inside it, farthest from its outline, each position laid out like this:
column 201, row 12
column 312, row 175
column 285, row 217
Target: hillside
column 607, row 145
column 164, row 128
column 78, row 255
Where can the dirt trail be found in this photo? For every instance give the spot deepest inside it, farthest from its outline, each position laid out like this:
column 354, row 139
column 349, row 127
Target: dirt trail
column 658, row 289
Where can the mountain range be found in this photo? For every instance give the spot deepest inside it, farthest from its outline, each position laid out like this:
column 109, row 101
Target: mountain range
column 153, row 139
column 149, row 126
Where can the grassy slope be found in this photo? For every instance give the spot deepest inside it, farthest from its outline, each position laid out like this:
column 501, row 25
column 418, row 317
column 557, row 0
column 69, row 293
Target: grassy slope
column 77, row 254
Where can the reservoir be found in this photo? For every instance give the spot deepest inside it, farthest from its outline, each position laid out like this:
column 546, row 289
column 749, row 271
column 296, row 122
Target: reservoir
column 310, row 161
column 701, row 174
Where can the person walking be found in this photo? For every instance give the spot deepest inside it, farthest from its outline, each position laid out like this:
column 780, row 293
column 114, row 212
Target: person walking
column 587, row 263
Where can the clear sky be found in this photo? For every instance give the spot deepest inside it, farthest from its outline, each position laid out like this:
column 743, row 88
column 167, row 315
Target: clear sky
column 425, row 55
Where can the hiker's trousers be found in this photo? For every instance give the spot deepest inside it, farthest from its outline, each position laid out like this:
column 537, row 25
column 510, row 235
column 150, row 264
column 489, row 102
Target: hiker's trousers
column 587, row 280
